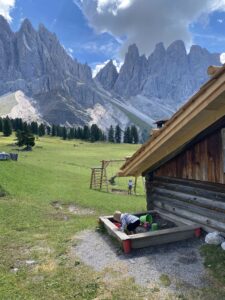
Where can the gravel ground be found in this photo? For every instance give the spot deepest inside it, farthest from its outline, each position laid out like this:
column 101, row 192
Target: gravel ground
column 180, row 261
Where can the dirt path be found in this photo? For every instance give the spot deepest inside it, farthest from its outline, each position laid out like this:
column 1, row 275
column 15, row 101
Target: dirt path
column 177, row 266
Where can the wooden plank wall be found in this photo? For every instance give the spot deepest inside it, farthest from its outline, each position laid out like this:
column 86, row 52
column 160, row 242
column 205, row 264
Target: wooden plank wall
column 203, row 161
column 202, row 203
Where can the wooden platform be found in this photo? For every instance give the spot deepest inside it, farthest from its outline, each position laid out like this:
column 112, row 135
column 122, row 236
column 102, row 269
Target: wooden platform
column 184, row 229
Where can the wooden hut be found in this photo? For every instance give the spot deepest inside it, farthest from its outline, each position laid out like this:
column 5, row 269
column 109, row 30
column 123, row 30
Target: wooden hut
column 184, row 161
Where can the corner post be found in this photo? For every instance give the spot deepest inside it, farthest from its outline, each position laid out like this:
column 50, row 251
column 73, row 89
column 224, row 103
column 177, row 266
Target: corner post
column 149, row 190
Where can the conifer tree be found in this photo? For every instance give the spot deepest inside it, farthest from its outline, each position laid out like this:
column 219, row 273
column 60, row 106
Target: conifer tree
column 127, row 136
column 59, row 131
column 86, row 133
column 34, row 127
column 19, row 137
column 24, row 126
column 7, row 127
column 95, row 133
column 134, row 135
column 118, row 134
column 41, row 130
column 80, row 133
column 53, row 130
column 48, row 130
column 19, row 124
column 71, row 134
column 25, row 138
column 111, row 137
column 75, row 133
column 1, row 125
column 64, row 133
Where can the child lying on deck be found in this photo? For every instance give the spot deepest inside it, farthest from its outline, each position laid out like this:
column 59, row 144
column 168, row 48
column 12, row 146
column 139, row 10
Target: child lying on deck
column 129, row 222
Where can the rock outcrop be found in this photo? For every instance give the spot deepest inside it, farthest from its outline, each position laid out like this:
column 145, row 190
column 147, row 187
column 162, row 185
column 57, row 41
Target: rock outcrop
column 160, row 84
column 132, row 73
column 35, row 62
column 107, row 76
column 169, row 75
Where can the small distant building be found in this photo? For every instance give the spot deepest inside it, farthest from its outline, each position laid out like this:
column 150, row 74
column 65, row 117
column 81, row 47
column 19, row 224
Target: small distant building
column 184, row 161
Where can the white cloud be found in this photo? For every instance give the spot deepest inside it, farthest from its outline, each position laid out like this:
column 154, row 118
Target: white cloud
column 112, row 6
column 98, row 67
column 5, row 8
column 147, row 22
column 220, row 21
column 222, row 58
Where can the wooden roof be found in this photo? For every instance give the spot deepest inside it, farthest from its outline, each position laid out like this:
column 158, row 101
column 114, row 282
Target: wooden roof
column 202, row 110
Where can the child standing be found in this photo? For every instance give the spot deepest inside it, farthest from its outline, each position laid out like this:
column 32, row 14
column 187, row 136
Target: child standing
column 129, row 222
column 130, row 186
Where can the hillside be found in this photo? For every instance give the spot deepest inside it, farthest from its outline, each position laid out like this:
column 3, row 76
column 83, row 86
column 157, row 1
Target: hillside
column 38, row 223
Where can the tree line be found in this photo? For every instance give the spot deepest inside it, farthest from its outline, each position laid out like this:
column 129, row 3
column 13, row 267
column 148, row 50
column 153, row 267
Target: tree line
column 130, row 135
column 24, row 131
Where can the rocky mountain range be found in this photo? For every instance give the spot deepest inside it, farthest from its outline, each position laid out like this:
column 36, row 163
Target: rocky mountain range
column 160, row 84
column 62, row 90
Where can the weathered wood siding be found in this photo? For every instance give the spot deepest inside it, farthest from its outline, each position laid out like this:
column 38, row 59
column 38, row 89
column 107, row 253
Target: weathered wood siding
column 200, row 202
column 202, row 161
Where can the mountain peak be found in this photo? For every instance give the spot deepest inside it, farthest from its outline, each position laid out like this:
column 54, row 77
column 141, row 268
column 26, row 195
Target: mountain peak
column 26, row 22
column 4, row 25
column 3, row 20
column 159, row 47
column 108, row 75
column 133, row 51
column 177, row 46
column 26, row 26
column 46, row 34
column 110, row 63
column 196, row 49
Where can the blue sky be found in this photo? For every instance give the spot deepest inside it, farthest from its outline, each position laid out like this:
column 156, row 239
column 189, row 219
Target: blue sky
column 71, row 27
column 94, row 31
column 210, row 33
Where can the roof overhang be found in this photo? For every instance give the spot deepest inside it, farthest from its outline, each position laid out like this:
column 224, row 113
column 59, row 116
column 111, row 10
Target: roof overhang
column 201, row 111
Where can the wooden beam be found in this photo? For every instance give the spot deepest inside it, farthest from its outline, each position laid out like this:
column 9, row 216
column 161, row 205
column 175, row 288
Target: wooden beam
column 191, row 199
column 203, row 191
column 190, row 215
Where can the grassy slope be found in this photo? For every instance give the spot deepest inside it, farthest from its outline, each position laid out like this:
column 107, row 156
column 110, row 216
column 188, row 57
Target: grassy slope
column 30, row 228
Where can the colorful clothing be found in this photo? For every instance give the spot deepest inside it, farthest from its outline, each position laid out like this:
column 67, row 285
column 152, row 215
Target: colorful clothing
column 127, row 219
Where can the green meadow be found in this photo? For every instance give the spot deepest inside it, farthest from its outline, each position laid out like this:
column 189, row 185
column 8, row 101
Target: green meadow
column 37, row 229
